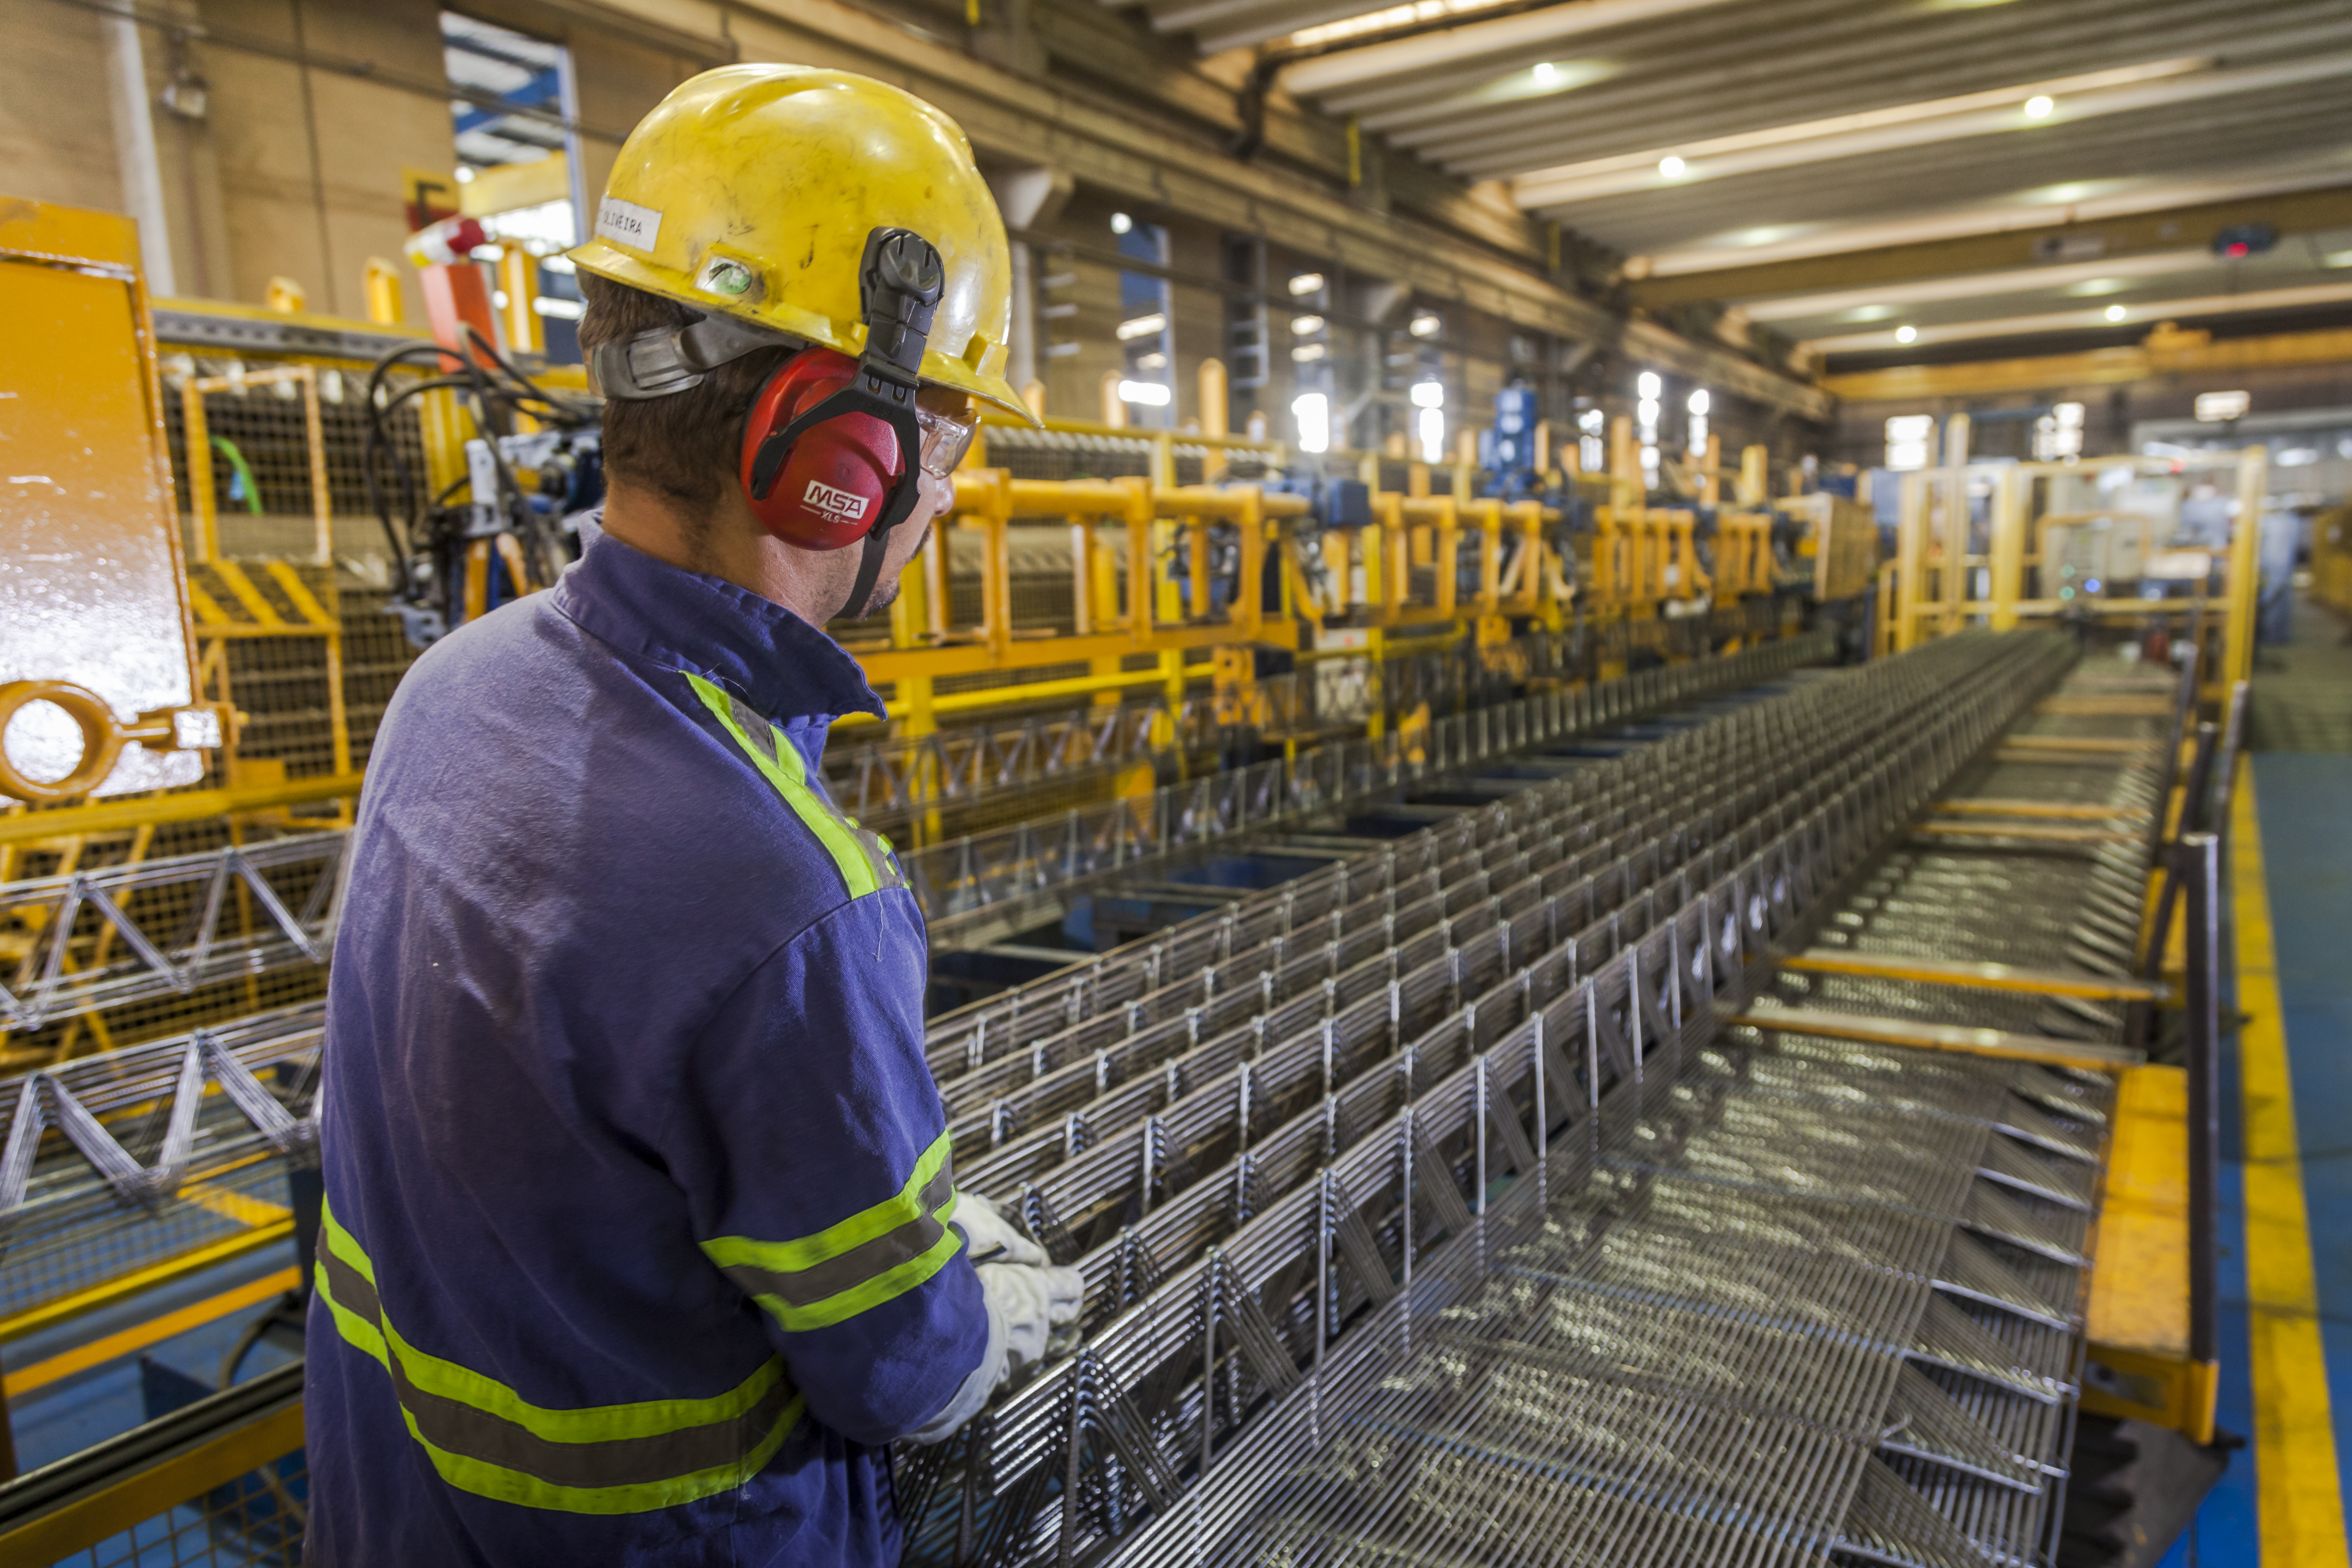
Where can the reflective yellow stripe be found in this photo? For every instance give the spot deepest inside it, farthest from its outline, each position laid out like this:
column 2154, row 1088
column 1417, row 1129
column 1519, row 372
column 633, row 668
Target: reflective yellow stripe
column 785, row 770
column 484, row 1437
column 873, row 1257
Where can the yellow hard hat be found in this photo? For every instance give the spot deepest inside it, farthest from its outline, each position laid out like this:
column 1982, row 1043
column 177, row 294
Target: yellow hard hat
column 749, row 191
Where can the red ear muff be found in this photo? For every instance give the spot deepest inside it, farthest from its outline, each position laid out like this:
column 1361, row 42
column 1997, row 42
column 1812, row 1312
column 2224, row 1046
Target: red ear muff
column 836, row 479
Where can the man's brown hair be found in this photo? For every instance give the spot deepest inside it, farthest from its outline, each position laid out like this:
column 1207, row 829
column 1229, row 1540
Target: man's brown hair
column 686, row 445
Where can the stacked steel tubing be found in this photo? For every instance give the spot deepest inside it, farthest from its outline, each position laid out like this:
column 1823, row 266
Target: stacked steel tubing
column 1014, row 1021
column 1579, row 1030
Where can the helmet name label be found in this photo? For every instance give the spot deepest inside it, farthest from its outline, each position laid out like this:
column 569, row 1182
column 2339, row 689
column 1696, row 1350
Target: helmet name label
column 627, row 223
column 842, row 504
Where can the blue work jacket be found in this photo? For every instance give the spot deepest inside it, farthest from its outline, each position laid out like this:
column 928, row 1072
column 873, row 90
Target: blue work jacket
column 636, row 1246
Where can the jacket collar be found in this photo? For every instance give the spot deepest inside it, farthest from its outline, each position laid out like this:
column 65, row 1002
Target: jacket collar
column 785, row 667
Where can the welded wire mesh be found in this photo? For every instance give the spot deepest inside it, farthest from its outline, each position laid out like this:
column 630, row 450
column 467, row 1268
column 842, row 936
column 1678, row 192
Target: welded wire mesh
column 1282, row 1246
column 254, row 1522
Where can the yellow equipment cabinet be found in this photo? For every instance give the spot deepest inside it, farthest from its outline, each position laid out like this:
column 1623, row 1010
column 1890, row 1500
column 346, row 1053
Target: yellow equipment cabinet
column 97, row 680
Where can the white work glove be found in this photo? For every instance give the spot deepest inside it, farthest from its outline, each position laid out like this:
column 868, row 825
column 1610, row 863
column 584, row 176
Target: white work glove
column 1036, row 1302
column 1033, row 1311
column 988, row 1237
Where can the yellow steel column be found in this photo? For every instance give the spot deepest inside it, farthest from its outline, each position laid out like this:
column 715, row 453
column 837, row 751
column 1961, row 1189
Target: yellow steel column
column 383, row 287
column 2245, row 564
column 1214, row 408
column 205, row 545
column 2008, row 553
column 519, row 277
column 1955, row 581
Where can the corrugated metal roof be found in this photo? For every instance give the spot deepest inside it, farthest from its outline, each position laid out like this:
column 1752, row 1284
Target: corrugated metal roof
column 1510, row 96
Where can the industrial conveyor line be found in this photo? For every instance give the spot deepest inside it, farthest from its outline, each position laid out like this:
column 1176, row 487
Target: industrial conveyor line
column 1306, row 1261
column 147, row 1161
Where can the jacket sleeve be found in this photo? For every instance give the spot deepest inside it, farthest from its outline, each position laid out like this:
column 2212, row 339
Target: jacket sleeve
column 813, row 1152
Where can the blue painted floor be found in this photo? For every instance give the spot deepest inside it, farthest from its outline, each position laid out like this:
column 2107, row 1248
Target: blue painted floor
column 105, row 1401
column 2305, row 798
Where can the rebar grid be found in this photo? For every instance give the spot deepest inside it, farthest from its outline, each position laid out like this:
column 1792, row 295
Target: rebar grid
column 108, row 1163
column 102, row 938
column 1282, row 1267
column 1015, row 876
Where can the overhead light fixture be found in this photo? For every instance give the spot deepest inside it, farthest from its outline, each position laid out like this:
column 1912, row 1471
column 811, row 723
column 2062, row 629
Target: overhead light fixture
column 1150, row 394
column 1426, row 325
column 1308, row 353
column 1647, row 385
column 1305, row 326
column 1306, row 283
column 1906, row 334
column 2039, row 106
column 1428, row 394
column 1121, row 223
column 1141, row 326
column 1699, row 402
column 1672, row 167
column 2221, row 407
column 1547, row 73
column 2116, row 313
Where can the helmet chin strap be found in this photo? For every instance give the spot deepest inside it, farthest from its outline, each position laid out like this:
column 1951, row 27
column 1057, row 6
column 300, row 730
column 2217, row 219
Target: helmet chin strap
column 876, row 545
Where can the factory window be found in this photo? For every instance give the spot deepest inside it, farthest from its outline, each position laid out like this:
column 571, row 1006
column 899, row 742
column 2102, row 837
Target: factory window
column 512, row 106
column 2058, row 435
column 1429, row 396
column 1907, row 438
column 1146, row 339
column 1312, row 412
column 2221, row 407
column 1648, row 388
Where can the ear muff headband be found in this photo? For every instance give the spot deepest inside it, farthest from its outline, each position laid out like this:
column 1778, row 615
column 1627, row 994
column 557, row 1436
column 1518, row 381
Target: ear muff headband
column 899, row 282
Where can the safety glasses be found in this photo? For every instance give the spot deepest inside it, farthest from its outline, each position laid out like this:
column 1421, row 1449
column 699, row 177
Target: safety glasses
column 947, row 435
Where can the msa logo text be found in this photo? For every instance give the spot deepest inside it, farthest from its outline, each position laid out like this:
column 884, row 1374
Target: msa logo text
column 840, row 503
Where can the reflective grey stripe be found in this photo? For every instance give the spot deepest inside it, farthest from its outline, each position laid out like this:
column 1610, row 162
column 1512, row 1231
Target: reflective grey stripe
column 866, row 1260
column 459, row 1428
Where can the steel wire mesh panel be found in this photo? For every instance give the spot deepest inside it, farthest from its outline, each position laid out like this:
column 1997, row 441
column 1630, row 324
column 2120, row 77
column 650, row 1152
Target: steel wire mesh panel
column 254, row 1522
column 111, row 1163
column 1221, row 1315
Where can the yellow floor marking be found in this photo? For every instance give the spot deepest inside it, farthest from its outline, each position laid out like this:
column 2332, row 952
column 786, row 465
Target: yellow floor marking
column 2299, row 1497
column 155, row 1330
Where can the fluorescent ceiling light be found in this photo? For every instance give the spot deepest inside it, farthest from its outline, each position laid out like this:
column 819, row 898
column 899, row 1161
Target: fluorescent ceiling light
column 1672, row 167
column 2094, row 316
column 1530, row 32
column 2004, row 214
column 2116, row 312
column 1916, row 124
column 1141, row 326
column 1150, row 394
column 2039, row 106
column 2074, row 276
column 1906, row 334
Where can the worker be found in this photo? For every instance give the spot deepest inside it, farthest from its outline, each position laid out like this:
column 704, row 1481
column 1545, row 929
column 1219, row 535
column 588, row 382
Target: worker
column 642, row 1243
